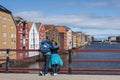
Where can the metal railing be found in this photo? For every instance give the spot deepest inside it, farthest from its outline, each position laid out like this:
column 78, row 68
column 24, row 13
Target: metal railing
column 68, row 69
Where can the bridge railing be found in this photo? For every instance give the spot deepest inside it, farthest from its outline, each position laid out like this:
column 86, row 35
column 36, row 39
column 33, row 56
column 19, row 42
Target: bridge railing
column 113, row 71
column 68, row 69
column 6, row 58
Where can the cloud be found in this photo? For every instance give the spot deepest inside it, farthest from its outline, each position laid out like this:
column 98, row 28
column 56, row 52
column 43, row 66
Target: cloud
column 96, row 4
column 102, row 3
column 30, row 15
column 65, row 3
column 115, row 3
column 84, row 21
column 79, row 3
column 91, row 4
column 90, row 24
column 87, row 21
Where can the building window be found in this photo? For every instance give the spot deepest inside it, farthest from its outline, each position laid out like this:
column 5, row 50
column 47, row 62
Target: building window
column 12, row 35
column 31, row 46
column 4, row 25
column 26, row 36
column 21, row 29
column 23, row 41
column 20, row 41
column 3, row 17
column 31, row 39
column 26, row 54
column 9, row 19
column 23, row 47
column 4, row 34
column 11, row 42
column 36, row 45
column 11, row 27
column 4, row 42
column 21, row 54
column 21, row 36
column 26, row 30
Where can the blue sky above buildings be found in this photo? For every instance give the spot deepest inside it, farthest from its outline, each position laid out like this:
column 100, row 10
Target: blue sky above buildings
column 100, row 18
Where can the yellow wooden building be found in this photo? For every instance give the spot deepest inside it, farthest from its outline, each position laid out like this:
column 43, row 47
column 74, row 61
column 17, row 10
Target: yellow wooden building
column 7, row 33
column 79, row 39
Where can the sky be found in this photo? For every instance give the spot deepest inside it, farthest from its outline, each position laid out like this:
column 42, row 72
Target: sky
column 99, row 18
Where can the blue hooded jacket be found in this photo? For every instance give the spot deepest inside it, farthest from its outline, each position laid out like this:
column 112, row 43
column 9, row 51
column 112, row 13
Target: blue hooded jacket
column 50, row 46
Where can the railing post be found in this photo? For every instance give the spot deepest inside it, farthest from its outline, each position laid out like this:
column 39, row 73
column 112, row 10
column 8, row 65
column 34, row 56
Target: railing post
column 69, row 62
column 7, row 60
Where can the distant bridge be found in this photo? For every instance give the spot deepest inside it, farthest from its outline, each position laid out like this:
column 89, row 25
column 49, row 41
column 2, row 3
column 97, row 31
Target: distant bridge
column 99, row 41
column 96, row 41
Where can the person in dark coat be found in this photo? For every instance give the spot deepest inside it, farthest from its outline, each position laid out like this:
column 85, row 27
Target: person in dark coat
column 55, row 61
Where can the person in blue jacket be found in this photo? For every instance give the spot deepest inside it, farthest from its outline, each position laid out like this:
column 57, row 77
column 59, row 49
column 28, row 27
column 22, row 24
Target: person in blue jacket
column 46, row 55
column 56, row 60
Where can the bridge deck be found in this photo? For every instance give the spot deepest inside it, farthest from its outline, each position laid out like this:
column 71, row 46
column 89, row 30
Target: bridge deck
column 19, row 76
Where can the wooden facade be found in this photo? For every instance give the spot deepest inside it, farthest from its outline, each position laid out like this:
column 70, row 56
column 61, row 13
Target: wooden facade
column 62, row 37
column 52, row 32
column 22, row 39
column 42, row 33
column 79, row 39
column 7, row 32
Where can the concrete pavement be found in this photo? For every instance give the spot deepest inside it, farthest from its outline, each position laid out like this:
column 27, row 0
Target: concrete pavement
column 26, row 76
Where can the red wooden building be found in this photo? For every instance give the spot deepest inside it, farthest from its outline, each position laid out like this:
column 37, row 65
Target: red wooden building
column 22, row 39
column 42, row 32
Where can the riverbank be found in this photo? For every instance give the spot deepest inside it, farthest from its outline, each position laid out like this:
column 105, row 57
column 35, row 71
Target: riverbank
column 20, row 76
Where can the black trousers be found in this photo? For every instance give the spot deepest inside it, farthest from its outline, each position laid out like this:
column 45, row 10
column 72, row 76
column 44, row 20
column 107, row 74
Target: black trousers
column 46, row 64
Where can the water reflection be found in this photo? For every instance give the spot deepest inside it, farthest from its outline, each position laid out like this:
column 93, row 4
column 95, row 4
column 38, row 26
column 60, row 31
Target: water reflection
column 40, row 64
column 89, row 56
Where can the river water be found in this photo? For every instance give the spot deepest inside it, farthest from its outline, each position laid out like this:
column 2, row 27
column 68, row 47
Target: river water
column 92, row 56
column 98, row 56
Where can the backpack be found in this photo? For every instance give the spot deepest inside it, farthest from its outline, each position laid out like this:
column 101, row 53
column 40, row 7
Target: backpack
column 45, row 46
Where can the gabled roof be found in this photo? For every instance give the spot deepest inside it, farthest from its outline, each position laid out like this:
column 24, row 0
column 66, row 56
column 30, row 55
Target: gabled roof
column 61, row 29
column 47, row 27
column 4, row 9
column 30, row 24
column 18, row 19
column 38, row 25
